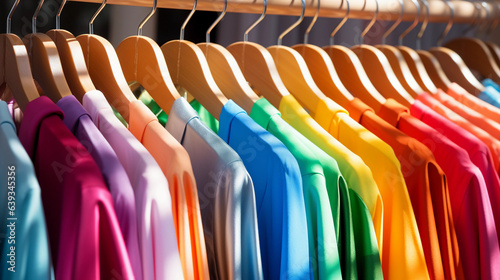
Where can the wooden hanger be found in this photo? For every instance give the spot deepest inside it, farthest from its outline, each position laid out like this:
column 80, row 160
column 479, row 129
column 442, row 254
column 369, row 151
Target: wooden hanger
column 142, row 61
column 105, row 70
column 380, row 71
column 15, row 69
column 452, row 64
column 189, row 68
column 434, row 69
column 258, row 66
column 411, row 57
column 397, row 61
column 495, row 51
column 72, row 60
column 322, row 70
column 476, row 54
column 350, row 70
column 294, row 72
column 45, row 62
column 226, row 72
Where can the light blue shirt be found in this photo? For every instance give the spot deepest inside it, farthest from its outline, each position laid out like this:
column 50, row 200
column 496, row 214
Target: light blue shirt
column 25, row 246
column 491, row 94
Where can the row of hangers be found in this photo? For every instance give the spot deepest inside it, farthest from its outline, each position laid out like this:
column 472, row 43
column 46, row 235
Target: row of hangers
column 62, row 65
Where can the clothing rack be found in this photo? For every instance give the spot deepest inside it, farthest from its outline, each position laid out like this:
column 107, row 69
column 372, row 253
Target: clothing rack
column 464, row 11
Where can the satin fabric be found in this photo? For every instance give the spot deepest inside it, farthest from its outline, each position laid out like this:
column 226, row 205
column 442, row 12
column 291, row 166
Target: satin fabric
column 472, row 213
column 154, row 212
column 226, row 197
column 80, row 124
column 428, row 189
column 84, row 233
column 32, row 258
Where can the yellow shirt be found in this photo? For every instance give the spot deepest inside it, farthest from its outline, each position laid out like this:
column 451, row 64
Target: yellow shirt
column 175, row 163
column 358, row 176
column 402, row 251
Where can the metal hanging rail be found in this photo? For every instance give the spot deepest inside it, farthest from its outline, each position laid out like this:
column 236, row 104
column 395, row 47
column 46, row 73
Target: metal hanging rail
column 360, row 9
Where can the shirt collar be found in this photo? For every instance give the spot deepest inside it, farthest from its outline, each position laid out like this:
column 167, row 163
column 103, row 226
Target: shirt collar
column 357, row 109
column 72, row 110
column 263, row 112
column 5, row 117
column 229, row 111
column 36, row 111
column 179, row 117
column 139, row 118
column 391, row 111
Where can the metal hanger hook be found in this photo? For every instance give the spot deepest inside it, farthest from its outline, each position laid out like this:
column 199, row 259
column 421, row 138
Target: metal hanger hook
column 342, row 22
column 412, row 26
column 141, row 25
column 396, row 23
column 58, row 16
column 223, row 13
column 483, row 26
column 450, row 22
column 245, row 35
column 372, row 22
column 309, row 28
column 495, row 21
column 424, row 24
column 283, row 34
column 9, row 17
column 35, row 15
column 183, row 27
column 91, row 22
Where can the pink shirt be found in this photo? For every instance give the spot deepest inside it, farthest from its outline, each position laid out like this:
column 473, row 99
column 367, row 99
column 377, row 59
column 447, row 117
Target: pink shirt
column 156, row 230
column 85, row 237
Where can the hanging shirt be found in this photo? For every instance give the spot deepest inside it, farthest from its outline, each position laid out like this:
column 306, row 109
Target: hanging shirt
column 400, row 226
column 23, row 237
column 323, row 252
column 490, row 95
column 176, row 166
column 85, row 237
column 278, row 191
column 492, row 143
column 428, row 190
column 226, row 197
column 472, row 213
column 471, row 101
column 80, row 124
column 155, row 226
column 358, row 177
column 477, row 150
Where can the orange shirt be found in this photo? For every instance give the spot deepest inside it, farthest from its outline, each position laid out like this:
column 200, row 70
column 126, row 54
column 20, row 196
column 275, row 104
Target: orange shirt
column 428, row 190
column 474, row 103
column 492, row 143
column 176, row 165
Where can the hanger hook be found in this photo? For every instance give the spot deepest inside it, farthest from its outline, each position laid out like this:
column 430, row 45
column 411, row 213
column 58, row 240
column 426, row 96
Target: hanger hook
column 245, row 35
column 183, row 27
column 9, row 17
column 477, row 18
column 35, row 15
column 315, row 18
column 483, row 26
column 342, row 22
column 283, row 34
column 450, row 22
column 495, row 21
column 223, row 13
column 372, row 22
column 91, row 22
column 141, row 25
column 424, row 24
column 412, row 26
column 396, row 23
column 58, row 16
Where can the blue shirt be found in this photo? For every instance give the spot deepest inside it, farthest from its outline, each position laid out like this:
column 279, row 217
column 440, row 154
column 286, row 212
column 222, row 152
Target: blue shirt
column 491, row 94
column 279, row 196
column 29, row 234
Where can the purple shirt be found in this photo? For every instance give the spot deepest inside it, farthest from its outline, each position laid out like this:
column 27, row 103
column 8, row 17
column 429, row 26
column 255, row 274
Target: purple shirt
column 81, row 125
column 85, row 237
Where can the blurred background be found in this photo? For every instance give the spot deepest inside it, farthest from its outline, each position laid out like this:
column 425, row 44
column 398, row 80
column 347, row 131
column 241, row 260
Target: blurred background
column 118, row 22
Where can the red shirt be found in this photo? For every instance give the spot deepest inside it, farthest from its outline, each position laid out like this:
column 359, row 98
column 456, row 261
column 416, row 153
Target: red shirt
column 472, row 213
column 85, row 237
column 428, row 190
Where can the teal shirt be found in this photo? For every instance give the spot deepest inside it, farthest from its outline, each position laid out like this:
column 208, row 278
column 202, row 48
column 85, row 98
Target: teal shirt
column 31, row 246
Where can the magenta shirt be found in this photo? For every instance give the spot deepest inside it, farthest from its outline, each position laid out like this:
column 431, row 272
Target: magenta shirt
column 81, row 125
column 85, row 237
